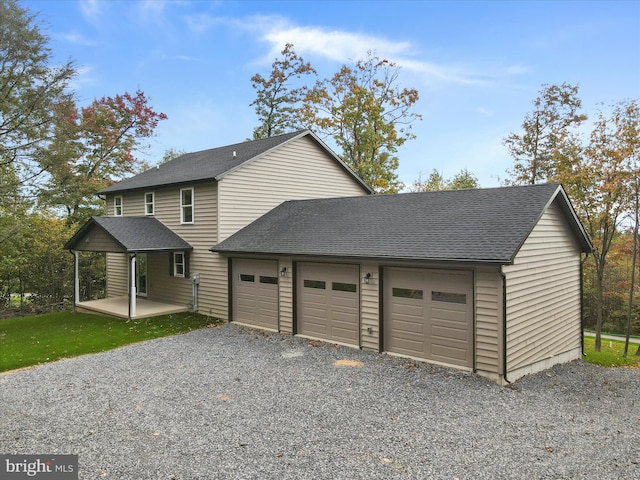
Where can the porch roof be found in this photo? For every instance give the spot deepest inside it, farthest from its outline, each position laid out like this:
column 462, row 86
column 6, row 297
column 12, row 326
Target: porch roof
column 127, row 235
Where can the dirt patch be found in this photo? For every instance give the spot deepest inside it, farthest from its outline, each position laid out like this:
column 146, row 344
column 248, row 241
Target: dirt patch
column 348, row 363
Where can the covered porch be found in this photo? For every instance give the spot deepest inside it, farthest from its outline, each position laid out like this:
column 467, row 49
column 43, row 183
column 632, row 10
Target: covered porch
column 119, row 307
column 134, row 237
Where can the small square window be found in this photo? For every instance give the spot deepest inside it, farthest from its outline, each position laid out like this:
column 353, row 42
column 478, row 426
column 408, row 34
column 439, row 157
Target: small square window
column 117, row 206
column 149, row 204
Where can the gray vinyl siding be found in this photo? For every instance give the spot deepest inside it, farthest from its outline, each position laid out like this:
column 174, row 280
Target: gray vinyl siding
column 117, row 276
column 98, row 240
column 488, row 307
column 297, row 170
column 543, row 294
column 286, row 296
column 201, row 235
column 369, row 307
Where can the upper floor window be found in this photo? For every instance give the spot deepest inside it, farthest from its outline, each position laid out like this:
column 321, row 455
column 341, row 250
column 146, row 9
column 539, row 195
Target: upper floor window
column 186, row 205
column 149, row 204
column 117, row 206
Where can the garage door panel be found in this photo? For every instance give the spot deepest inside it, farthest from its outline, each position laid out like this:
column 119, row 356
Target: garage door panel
column 449, row 354
column 439, row 315
column 407, row 346
column 409, row 326
column 441, row 331
column 336, row 306
column 410, row 310
column 255, row 292
column 429, row 314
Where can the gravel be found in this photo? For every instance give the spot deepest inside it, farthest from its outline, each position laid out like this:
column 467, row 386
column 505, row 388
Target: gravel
column 235, row 403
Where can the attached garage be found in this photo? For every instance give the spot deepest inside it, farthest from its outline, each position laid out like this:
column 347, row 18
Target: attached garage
column 485, row 280
column 428, row 314
column 328, row 302
column 254, row 290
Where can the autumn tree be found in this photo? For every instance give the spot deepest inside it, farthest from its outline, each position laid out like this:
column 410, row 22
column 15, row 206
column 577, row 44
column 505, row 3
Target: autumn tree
column 627, row 119
column 597, row 183
column 278, row 97
column 93, row 147
column 30, row 87
column 368, row 115
column 462, row 180
column 547, row 132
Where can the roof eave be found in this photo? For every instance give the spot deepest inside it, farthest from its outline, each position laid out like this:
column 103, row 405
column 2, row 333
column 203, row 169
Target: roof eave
column 379, row 258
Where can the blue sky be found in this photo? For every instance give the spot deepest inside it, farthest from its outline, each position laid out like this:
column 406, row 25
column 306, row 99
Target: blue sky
column 477, row 65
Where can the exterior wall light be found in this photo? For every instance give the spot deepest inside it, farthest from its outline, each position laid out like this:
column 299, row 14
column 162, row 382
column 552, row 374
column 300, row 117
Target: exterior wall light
column 283, row 272
column 367, row 278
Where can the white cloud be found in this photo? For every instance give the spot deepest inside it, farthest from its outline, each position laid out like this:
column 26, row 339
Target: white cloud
column 91, row 9
column 333, row 44
column 484, row 111
column 77, row 39
column 344, row 46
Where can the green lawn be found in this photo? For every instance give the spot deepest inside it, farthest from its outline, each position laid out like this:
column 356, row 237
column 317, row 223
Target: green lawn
column 32, row 340
column 611, row 353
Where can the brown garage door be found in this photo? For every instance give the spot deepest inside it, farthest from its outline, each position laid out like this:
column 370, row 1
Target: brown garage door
column 328, row 302
column 428, row 314
column 255, row 292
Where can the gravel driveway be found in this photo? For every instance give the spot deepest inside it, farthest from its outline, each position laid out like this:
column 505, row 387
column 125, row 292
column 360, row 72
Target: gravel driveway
column 234, row 403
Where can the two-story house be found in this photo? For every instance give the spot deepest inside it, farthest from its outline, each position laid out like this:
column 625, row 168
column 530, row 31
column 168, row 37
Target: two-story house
column 279, row 234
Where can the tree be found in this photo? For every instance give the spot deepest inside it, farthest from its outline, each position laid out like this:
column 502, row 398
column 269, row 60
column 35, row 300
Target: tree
column 464, row 180
column 627, row 115
column 277, row 100
column 93, row 147
column 436, row 182
column 29, row 88
column 170, row 154
column 368, row 115
column 547, row 131
column 597, row 183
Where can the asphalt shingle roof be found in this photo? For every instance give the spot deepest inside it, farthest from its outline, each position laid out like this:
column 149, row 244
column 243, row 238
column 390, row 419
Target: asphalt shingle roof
column 482, row 225
column 206, row 165
column 133, row 234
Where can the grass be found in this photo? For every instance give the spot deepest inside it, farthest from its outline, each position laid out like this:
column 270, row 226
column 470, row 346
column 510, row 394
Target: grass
column 28, row 341
column 611, row 353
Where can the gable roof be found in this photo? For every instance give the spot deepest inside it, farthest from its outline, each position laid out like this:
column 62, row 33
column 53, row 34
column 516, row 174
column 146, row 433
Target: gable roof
column 215, row 163
column 132, row 234
column 482, row 225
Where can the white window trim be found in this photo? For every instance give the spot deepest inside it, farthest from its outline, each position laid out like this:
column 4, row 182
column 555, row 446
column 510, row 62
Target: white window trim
column 176, row 263
column 115, row 206
column 193, row 206
column 153, row 203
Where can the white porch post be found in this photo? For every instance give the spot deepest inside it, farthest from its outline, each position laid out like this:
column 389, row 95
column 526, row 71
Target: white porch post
column 76, row 278
column 132, row 294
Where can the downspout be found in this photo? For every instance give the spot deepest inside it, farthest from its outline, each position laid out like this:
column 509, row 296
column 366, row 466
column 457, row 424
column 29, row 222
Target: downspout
column 504, row 326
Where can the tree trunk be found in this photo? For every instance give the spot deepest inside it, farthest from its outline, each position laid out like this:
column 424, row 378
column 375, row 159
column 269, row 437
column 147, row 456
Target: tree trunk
column 599, row 306
column 633, row 275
